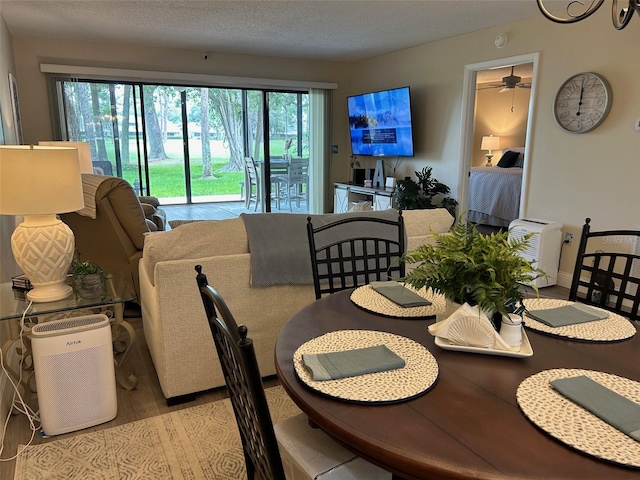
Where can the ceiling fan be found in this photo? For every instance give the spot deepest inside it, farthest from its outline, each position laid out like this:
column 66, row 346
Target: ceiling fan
column 509, row 82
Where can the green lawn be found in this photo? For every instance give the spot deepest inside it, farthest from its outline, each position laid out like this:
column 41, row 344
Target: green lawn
column 167, row 179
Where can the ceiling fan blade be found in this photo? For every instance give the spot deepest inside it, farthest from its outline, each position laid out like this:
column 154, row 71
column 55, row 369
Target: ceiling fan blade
column 524, row 85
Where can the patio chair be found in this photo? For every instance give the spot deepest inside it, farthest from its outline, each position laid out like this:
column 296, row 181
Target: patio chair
column 355, row 251
column 252, row 182
column 307, row 453
column 608, row 279
column 295, row 182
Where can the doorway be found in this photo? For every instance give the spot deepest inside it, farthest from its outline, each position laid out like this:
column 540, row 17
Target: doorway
column 468, row 136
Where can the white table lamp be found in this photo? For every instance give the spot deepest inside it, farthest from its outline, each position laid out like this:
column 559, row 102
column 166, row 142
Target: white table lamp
column 490, row 143
column 84, row 152
column 38, row 183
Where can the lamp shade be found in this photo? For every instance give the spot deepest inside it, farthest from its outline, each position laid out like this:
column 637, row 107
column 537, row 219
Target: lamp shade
column 37, row 180
column 84, row 152
column 490, row 143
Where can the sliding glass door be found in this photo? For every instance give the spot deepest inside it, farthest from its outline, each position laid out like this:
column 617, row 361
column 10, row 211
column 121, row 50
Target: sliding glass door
column 288, row 126
column 185, row 144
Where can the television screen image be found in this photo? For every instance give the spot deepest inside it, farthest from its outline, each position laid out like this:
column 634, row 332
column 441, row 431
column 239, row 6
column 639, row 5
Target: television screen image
column 380, row 123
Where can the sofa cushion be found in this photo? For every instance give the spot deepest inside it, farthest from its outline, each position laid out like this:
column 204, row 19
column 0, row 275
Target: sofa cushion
column 196, row 240
column 424, row 222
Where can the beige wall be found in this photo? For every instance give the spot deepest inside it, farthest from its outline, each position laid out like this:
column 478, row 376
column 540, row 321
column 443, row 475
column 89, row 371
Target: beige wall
column 31, row 52
column 494, row 116
column 571, row 177
column 8, row 267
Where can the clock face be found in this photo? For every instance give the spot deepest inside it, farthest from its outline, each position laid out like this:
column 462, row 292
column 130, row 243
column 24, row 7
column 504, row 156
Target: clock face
column 582, row 102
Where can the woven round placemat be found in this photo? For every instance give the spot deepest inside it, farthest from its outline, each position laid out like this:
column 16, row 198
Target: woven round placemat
column 574, row 425
column 417, row 376
column 367, row 298
column 610, row 329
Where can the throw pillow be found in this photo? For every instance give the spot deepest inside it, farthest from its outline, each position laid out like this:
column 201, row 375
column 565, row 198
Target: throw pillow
column 520, row 161
column 508, row 160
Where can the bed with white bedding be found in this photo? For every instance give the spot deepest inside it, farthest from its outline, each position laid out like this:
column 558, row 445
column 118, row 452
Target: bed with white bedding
column 494, row 195
column 494, row 192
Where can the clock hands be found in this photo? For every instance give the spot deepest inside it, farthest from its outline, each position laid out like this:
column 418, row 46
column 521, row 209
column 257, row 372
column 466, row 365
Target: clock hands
column 580, row 101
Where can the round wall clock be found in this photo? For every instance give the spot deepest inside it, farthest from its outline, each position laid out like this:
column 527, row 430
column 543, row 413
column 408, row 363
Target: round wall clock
column 582, row 102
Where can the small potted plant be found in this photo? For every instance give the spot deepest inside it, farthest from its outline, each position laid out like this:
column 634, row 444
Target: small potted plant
column 466, row 266
column 90, row 280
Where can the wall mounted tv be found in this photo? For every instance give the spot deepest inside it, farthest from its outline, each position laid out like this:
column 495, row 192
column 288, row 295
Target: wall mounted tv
column 380, row 123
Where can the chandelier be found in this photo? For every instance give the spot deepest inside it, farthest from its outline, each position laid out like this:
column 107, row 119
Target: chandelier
column 577, row 10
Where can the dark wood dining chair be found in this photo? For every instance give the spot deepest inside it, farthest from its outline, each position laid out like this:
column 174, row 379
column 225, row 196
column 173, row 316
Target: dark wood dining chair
column 609, row 278
column 308, row 452
column 355, row 251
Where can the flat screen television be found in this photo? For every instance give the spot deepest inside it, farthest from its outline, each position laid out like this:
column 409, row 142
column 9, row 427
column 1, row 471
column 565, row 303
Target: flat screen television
column 380, row 123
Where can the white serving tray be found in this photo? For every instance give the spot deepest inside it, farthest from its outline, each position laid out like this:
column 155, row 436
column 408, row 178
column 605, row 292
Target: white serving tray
column 525, row 348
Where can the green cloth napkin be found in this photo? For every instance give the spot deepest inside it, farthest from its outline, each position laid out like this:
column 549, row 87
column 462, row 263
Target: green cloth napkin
column 350, row 363
column 567, row 315
column 399, row 294
column 616, row 410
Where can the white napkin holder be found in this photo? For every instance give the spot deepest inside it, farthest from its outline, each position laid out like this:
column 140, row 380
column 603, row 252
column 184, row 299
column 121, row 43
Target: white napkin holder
column 470, row 326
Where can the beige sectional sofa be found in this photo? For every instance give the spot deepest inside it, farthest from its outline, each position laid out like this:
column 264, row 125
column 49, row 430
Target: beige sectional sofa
column 174, row 322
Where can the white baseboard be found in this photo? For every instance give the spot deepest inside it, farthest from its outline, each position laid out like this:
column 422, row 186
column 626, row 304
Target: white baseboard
column 564, row 279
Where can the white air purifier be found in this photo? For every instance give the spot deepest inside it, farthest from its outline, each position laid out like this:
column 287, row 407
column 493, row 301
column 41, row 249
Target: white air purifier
column 75, row 373
column 544, row 246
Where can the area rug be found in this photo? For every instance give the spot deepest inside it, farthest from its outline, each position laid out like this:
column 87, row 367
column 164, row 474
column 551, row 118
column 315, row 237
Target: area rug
column 195, row 443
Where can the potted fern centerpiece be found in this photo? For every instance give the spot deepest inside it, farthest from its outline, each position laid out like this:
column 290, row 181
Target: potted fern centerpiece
column 466, row 266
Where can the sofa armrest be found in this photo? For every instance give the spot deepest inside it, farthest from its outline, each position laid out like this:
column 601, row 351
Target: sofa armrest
column 153, row 201
column 127, row 208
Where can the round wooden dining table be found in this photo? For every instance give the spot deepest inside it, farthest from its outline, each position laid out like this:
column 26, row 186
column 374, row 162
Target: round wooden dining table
column 469, row 424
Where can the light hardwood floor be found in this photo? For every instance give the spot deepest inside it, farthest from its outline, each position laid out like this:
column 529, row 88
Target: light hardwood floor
column 221, row 210
column 147, row 400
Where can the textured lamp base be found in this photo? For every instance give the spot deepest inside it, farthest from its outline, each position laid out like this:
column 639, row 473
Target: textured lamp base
column 43, row 248
column 489, row 157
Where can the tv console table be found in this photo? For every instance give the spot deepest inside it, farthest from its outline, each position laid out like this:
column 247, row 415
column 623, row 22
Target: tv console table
column 346, row 195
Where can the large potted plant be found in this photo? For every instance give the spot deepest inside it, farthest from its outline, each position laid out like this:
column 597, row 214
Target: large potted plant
column 426, row 192
column 466, row 266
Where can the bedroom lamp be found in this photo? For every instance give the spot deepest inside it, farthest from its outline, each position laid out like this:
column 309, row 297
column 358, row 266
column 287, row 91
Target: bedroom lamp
column 490, row 143
column 38, row 183
column 84, row 152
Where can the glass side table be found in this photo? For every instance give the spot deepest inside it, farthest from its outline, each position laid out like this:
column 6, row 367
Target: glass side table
column 13, row 304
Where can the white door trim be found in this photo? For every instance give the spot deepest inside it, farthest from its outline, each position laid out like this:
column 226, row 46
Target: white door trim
column 468, row 115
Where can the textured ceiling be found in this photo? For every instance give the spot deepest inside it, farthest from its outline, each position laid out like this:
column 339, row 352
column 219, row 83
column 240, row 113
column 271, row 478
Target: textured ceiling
column 339, row 30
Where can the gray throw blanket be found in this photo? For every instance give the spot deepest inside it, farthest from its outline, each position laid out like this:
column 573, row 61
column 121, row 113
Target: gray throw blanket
column 279, row 245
